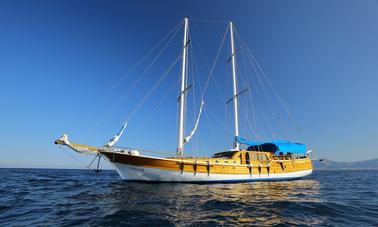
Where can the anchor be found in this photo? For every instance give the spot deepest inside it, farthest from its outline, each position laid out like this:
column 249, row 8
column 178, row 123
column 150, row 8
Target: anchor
column 97, row 169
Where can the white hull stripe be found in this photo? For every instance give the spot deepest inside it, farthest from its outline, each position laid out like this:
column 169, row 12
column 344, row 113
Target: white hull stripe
column 137, row 173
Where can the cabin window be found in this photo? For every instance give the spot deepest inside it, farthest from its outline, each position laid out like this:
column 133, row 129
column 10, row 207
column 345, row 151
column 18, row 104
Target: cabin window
column 227, row 154
column 258, row 157
column 262, row 157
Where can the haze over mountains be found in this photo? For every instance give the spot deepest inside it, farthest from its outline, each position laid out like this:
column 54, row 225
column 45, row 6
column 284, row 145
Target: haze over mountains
column 333, row 165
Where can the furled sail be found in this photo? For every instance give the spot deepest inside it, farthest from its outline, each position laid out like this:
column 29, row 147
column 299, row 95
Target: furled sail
column 195, row 126
column 116, row 137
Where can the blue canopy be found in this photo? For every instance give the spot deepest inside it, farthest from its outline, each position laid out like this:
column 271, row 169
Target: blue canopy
column 283, row 146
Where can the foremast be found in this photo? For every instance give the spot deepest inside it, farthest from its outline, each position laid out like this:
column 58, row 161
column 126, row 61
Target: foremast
column 180, row 147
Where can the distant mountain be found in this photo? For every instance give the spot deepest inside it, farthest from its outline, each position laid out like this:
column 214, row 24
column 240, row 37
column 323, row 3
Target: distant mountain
column 333, row 165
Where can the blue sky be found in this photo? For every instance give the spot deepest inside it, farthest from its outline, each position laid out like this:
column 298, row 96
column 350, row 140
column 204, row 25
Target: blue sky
column 58, row 59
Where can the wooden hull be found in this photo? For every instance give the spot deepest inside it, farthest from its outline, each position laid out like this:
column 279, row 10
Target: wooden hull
column 144, row 168
column 135, row 173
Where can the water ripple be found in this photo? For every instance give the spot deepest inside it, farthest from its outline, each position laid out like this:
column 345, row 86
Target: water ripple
column 80, row 197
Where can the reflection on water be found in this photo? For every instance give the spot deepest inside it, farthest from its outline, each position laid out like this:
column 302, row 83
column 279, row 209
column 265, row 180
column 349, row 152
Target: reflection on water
column 263, row 203
column 77, row 197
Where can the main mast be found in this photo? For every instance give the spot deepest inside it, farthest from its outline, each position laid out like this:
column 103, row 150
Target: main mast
column 235, row 89
column 180, row 147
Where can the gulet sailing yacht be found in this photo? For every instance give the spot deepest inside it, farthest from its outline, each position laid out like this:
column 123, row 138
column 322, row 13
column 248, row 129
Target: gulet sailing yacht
column 257, row 161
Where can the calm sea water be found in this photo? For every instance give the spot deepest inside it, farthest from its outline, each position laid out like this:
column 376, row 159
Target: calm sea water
column 82, row 197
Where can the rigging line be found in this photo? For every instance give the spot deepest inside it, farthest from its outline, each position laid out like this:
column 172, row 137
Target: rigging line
column 252, row 123
column 201, row 50
column 272, row 112
column 195, row 78
column 275, row 92
column 194, row 144
column 265, row 77
column 196, row 73
column 201, row 146
column 254, row 120
column 243, row 105
column 248, row 123
column 243, row 121
column 227, row 89
column 268, row 101
column 186, row 82
column 225, row 125
column 215, row 61
column 69, row 153
column 257, row 110
column 264, row 94
column 211, row 129
column 154, row 87
column 246, row 81
column 175, row 29
column 245, row 111
column 218, row 89
column 193, row 82
column 92, row 161
column 160, row 103
column 208, row 66
column 197, row 137
column 210, row 21
column 219, row 121
column 192, row 72
column 131, row 88
column 249, row 110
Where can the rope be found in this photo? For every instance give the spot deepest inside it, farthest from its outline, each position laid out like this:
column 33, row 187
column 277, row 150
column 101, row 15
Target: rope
column 208, row 66
column 131, row 88
column 69, row 153
column 153, row 88
column 254, row 61
column 261, row 74
column 160, row 103
column 215, row 61
column 176, row 28
column 265, row 116
column 210, row 21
